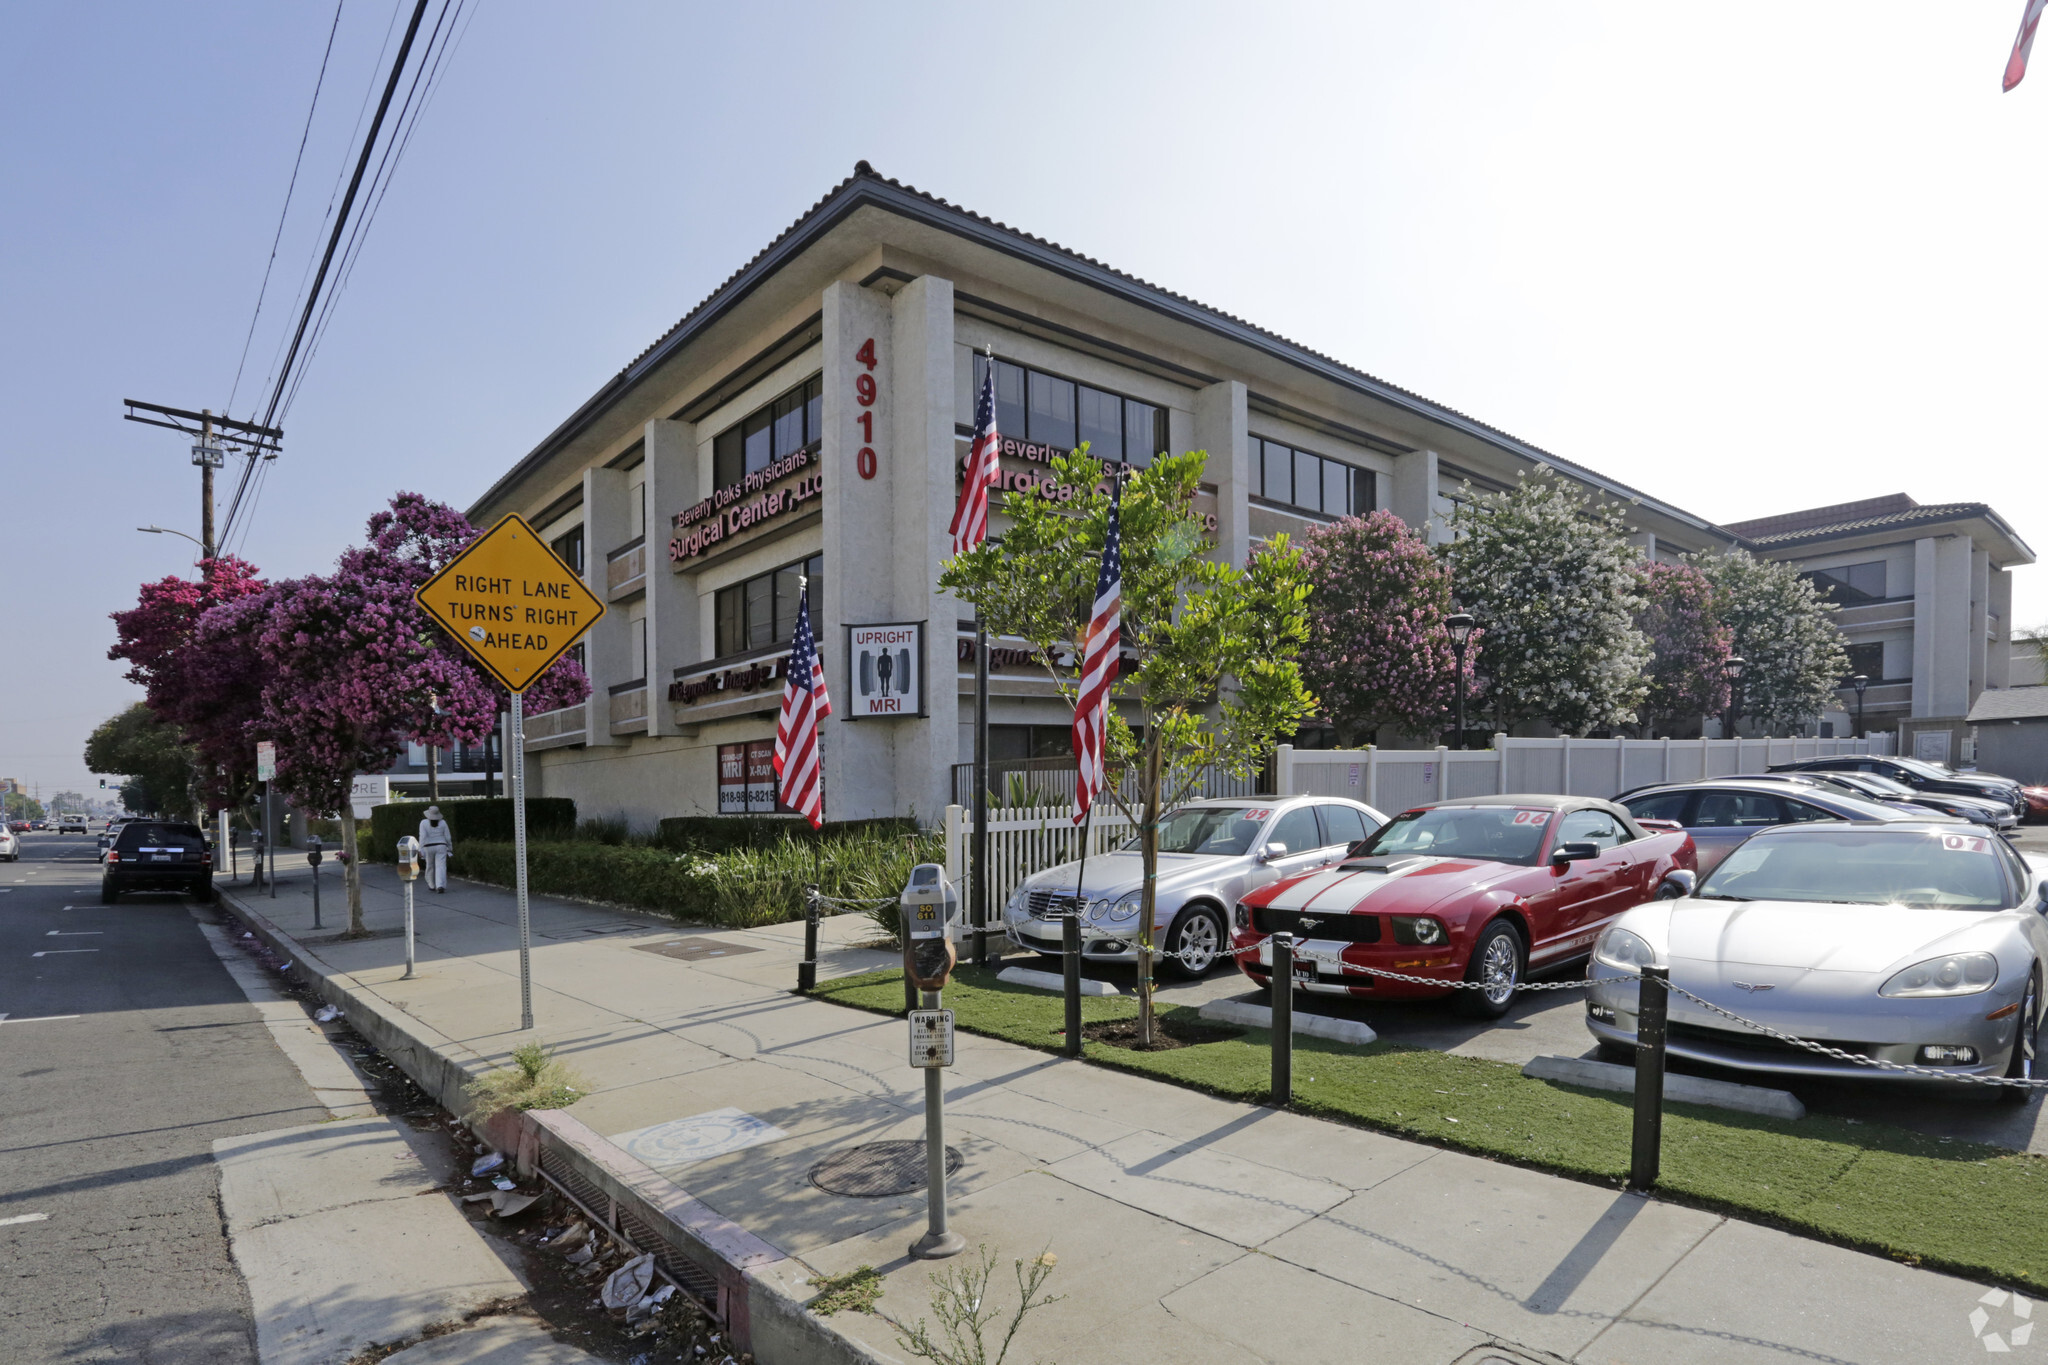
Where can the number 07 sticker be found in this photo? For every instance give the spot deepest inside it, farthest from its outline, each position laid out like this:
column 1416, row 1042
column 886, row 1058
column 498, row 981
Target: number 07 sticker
column 1965, row 843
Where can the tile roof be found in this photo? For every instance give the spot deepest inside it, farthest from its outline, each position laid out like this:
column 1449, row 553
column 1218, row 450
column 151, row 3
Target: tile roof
column 1915, row 516
column 2010, row 703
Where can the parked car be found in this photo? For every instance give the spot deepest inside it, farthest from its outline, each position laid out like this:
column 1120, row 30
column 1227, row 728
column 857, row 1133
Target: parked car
column 1982, row 810
column 42, row 824
column 10, row 845
column 157, row 855
column 1920, row 776
column 1210, row 853
column 1914, row 943
column 1478, row 890
column 2037, row 802
column 1720, row 813
column 71, row 824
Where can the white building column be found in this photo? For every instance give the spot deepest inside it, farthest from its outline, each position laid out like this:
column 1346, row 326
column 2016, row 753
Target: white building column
column 1941, row 626
column 1998, row 647
column 608, row 648
column 1980, row 621
column 673, row 619
column 1222, row 426
column 1411, row 492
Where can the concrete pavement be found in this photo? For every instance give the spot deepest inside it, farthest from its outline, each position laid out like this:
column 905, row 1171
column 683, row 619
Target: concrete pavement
column 1187, row 1227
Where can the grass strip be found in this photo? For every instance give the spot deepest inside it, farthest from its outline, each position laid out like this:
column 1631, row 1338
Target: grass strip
column 1949, row 1205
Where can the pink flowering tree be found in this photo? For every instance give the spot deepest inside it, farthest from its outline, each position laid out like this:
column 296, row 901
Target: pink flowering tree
column 1378, row 653
column 203, row 682
column 1689, row 643
column 355, row 670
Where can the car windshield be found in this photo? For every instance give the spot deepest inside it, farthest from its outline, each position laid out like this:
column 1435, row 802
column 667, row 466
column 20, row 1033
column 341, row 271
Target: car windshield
column 1220, row 831
column 1501, row 834
column 172, row 838
column 1864, row 867
column 1928, row 770
column 1873, row 782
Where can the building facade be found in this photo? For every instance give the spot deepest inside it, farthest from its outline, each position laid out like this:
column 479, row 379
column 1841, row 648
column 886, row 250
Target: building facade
column 807, row 422
column 1926, row 605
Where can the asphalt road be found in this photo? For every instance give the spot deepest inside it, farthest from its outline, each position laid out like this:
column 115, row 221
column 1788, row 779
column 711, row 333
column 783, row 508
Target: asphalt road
column 125, row 1050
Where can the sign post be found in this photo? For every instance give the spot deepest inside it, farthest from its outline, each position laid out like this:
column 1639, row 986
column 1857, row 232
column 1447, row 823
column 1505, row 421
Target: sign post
column 266, row 773
column 516, row 607
column 408, row 871
column 931, row 909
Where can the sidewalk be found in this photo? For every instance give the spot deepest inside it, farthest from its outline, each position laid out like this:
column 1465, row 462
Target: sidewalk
column 1188, row 1228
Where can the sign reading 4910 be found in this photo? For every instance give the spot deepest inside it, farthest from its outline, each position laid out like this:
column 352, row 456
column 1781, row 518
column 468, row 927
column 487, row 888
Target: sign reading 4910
column 511, row 602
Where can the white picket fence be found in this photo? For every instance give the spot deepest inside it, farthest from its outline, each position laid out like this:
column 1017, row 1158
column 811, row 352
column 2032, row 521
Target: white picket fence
column 1391, row 780
column 1021, row 842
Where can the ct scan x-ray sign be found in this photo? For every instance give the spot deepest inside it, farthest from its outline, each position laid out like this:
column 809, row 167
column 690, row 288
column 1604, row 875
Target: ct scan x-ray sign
column 885, row 670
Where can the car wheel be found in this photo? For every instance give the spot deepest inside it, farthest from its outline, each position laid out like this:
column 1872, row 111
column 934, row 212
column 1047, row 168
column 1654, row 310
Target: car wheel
column 1497, row 963
column 2025, row 1043
column 108, row 895
column 1194, row 943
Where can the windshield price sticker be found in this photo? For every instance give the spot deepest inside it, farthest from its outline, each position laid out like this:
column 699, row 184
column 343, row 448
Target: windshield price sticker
column 1531, row 817
column 1965, row 843
column 1256, row 814
column 931, row 1038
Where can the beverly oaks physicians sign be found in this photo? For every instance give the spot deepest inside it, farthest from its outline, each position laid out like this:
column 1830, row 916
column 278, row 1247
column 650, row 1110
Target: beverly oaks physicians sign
column 511, row 602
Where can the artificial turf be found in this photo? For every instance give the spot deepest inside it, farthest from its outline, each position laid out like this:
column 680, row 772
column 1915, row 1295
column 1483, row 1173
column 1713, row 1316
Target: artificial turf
column 1949, row 1205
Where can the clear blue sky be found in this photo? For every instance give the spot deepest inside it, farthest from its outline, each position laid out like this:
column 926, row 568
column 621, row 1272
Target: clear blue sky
column 1746, row 257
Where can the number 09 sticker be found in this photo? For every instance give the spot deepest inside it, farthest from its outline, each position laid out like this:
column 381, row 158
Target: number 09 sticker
column 1965, row 843
column 1531, row 817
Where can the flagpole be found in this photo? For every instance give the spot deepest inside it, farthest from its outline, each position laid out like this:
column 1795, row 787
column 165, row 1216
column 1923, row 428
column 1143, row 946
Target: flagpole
column 980, row 887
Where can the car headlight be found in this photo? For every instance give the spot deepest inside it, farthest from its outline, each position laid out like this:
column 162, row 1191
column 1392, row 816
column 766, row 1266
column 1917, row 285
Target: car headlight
column 1620, row 948
column 1419, row 929
column 1126, row 908
column 1957, row 974
column 1241, row 916
column 1018, row 908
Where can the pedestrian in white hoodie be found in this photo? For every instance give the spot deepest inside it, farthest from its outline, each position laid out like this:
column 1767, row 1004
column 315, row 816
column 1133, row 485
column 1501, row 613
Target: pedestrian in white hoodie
column 436, row 843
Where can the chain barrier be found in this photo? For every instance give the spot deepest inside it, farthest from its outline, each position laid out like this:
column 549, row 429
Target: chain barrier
column 837, row 905
column 1856, row 1058
column 1337, row 962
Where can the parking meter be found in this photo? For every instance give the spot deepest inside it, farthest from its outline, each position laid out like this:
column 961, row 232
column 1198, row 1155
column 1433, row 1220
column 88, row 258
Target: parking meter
column 313, row 854
column 931, row 910
column 313, row 861
column 409, row 857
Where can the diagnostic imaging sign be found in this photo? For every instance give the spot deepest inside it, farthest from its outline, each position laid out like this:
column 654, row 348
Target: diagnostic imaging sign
column 885, row 665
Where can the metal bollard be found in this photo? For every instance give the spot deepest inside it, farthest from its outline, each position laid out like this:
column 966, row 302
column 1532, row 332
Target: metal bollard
column 1070, row 973
column 1652, row 1009
column 1283, row 1020
column 807, row 970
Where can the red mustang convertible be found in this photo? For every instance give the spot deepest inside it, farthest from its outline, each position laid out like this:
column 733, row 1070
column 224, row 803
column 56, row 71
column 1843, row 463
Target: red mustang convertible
column 1479, row 890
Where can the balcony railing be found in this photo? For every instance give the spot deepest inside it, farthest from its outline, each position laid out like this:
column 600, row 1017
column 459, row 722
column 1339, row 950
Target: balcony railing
column 625, row 569
column 554, row 729
column 629, row 707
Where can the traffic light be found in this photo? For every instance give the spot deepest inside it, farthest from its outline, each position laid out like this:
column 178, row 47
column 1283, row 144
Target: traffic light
column 103, row 784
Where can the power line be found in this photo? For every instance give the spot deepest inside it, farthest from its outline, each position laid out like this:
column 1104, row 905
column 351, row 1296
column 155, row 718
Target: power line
column 284, row 213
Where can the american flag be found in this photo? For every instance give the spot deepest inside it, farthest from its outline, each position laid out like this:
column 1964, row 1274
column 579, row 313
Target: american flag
column 984, row 470
column 804, row 703
column 1101, row 651
column 2016, row 64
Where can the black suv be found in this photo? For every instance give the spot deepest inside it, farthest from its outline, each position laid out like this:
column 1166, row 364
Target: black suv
column 1919, row 776
column 157, row 855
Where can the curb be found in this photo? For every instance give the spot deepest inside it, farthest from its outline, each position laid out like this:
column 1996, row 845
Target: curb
column 1747, row 1099
column 758, row 1291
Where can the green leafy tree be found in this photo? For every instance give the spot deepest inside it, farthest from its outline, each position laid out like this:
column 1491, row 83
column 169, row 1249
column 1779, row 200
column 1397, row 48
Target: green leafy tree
column 1215, row 680
column 22, row 806
column 1552, row 579
column 153, row 755
column 1784, row 632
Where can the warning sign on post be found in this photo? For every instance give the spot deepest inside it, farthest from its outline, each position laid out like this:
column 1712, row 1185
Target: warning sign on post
column 511, row 602
column 931, row 1038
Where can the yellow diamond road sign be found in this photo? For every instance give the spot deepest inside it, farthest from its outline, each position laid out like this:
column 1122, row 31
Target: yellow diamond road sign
column 511, row 602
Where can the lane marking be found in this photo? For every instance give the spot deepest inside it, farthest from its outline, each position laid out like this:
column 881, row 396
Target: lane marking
column 54, row 952
column 38, row 1019
column 24, row 1218
column 73, row 933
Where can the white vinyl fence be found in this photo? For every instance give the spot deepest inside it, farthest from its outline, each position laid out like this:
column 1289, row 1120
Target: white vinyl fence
column 1024, row 841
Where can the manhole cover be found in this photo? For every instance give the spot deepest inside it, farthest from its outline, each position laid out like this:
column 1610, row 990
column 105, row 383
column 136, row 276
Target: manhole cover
column 695, row 949
column 877, row 1168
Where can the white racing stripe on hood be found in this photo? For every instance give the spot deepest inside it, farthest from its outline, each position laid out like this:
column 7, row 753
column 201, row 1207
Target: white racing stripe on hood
column 1354, row 886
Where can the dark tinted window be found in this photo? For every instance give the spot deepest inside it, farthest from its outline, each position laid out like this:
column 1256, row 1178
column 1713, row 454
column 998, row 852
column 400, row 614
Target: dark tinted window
column 1297, row 829
column 1048, row 410
column 1729, row 810
column 569, row 548
column 1849, row 584
column 1313, row 483
column 1051, row 421
column 1663, row 806
column 1867, row 660
column 762, row 610
column 151, row 834
column 795, row 419
column 1342, row 824
column 1102, row 423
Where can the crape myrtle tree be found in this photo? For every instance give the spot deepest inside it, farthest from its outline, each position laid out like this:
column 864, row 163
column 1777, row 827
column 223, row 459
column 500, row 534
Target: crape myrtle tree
column 1378, row 653
column 1784, row 632
column 354, row 670
column 1215, row 680
column 1553, row 579
column 1690, row 644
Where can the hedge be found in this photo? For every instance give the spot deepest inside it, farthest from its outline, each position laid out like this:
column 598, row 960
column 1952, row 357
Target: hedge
column 739, row 888
column 723, row 833
column 481, row 818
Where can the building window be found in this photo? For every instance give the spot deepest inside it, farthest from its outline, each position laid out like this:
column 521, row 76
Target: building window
column 1849, row 585
column 1309, row 482
column 761, row 612
column 1867, row 660
column 568, row 547
column 1015, row 743
column 1047, row 410
column 782, row 427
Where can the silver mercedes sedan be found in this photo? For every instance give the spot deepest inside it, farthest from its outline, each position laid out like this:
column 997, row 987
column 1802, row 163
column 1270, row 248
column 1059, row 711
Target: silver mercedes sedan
column 1921, row 943
column 1210, row 854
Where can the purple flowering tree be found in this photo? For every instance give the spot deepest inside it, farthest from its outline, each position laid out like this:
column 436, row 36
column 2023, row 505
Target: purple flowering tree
column 1689, row 643
column 355, row 670
column 1378, row 653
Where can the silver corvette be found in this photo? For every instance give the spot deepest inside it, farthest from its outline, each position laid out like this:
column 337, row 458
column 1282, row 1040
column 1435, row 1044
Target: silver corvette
column 1917, row 943
column 1210, row 854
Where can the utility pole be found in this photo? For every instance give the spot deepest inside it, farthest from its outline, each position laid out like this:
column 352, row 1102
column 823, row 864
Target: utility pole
column 250, row 438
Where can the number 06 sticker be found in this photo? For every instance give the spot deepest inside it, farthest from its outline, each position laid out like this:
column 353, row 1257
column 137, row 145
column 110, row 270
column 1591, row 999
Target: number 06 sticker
column 1531, row 817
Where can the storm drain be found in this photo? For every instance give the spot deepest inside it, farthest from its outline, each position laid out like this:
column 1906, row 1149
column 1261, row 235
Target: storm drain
column 875, row 1169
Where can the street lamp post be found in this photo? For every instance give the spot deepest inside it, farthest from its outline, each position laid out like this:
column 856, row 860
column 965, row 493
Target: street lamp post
column 1460, row 626
column 1859, row 682
column 1731, row 669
